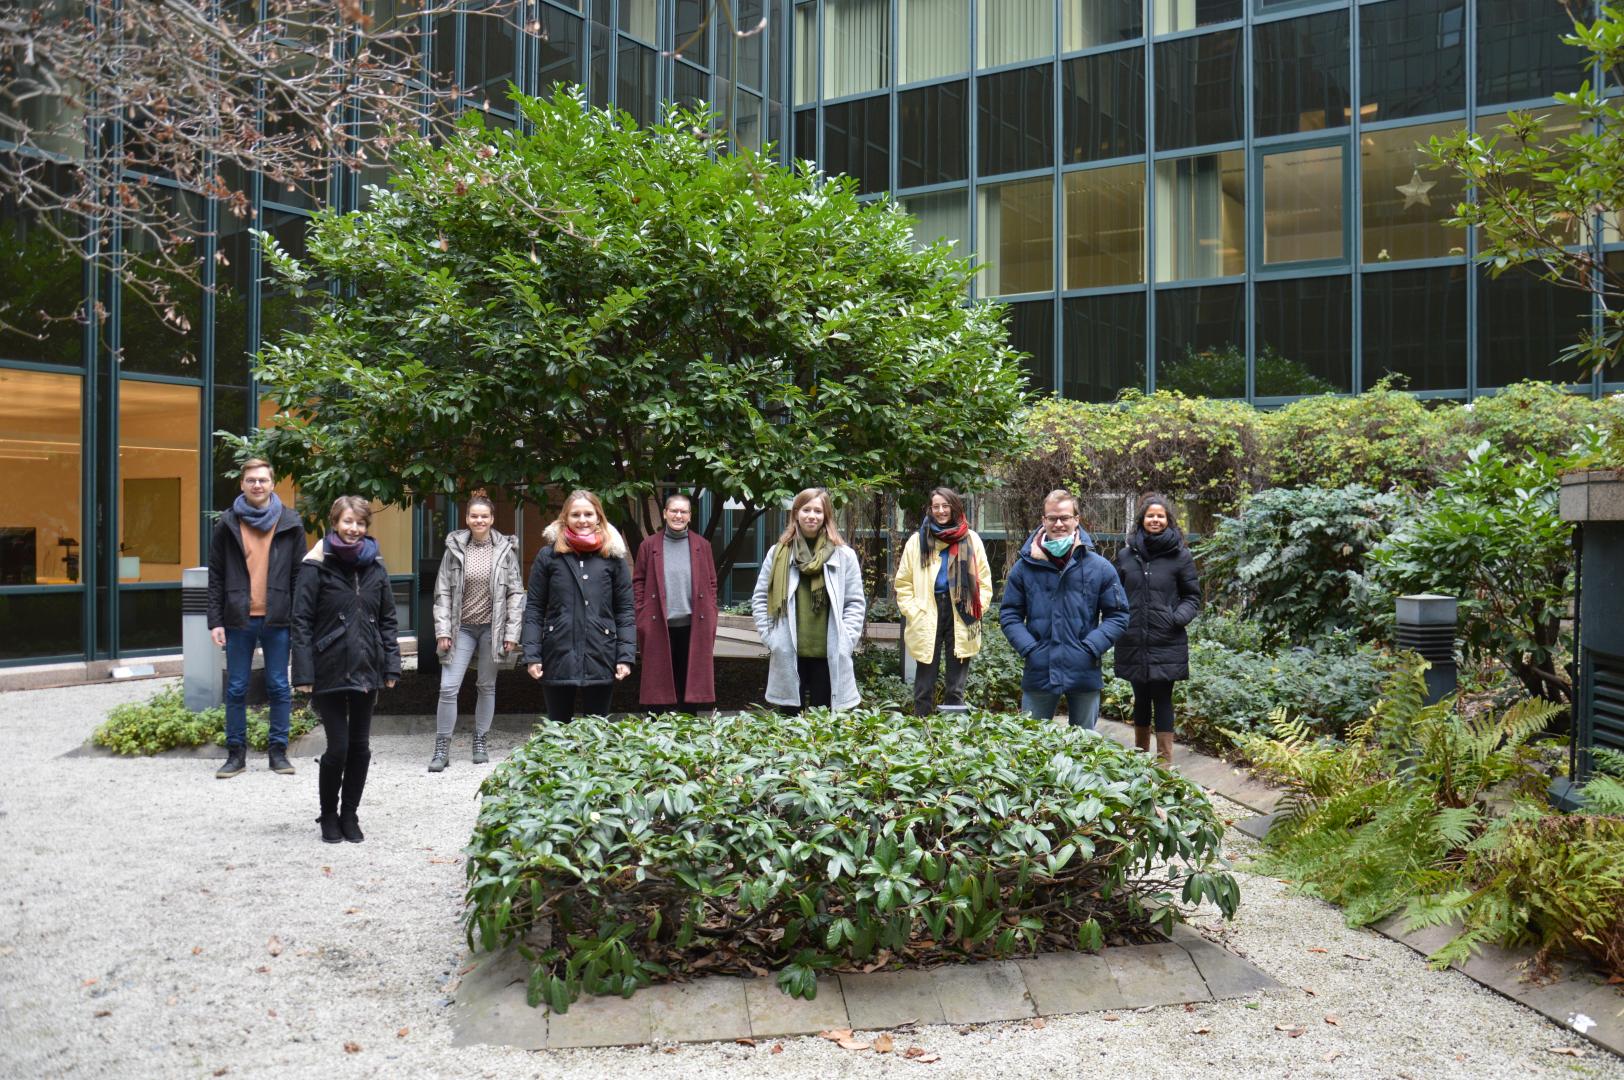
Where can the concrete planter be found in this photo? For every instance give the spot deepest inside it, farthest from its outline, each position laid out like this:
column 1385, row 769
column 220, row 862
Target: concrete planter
column 1593, row 495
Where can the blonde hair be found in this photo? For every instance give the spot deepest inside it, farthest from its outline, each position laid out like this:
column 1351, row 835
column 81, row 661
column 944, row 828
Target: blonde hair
column 356, row 505
column 257, row 463
column 1062, row 495
column 829, row 529
column 560, row 544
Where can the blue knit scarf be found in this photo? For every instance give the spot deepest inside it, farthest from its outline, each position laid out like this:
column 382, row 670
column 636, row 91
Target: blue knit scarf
column 263, row 518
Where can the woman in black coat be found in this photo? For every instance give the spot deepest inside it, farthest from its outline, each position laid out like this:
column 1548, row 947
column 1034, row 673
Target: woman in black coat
column 1164, row 595
column 580, row 625
column 344, row 643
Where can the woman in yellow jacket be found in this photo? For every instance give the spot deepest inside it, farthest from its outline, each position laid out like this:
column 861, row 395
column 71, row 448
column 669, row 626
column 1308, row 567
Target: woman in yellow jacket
column 943, row 585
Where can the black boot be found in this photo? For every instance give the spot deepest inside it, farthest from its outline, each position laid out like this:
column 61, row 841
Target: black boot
column 329, row 779
column 355, row 779
column 236, row 761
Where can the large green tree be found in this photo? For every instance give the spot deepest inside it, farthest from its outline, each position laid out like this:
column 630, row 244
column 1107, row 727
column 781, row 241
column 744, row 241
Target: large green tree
column 588, row 303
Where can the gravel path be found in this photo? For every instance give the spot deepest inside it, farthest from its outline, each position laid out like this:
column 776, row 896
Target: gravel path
column 139, row 900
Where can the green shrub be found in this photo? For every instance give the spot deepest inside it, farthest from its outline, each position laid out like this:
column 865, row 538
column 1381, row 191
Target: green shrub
column 1383, row 439
column 1293, row 560
column 664, row 846
column 163, row 722
column 1527, row 416
column 994, row 682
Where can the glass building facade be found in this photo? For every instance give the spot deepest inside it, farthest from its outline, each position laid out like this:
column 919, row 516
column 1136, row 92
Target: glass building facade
column 1223, row 197
column 109, row 474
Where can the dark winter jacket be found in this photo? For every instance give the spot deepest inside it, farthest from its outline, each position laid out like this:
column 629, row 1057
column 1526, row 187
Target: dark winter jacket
column 1062, row 619
column 343, row 635
column 228, row 572
column 1164, row 594
column 578, row 614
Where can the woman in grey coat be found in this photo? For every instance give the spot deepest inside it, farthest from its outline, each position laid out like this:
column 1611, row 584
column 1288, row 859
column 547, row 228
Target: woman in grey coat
column 478, row 616
column 809, row 607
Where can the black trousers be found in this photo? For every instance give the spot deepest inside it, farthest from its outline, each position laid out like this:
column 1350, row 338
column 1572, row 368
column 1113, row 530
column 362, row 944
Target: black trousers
column 942, row 660
column 346, row 717
column 1156, row 698
column 563, row 702
column 679, row 637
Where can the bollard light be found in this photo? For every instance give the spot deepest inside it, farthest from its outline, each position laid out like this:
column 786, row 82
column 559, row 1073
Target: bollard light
column 1426, row 626
column 203, row 687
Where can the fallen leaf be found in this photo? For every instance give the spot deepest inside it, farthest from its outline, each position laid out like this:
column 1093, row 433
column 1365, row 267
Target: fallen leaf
column 1110, row 1018
column 1333, row 1021
column 1309, row 990
column 1254, row 1005
column 1202, row 1031
column 197, row 950
column 271, row 1013
column 274, row 946
column 852, row 1044
column 89, row 982
column 263, row 970
column 835, row 1034
column 928, row 1059
column 1317, row 949
column 352, row 1048
column 103, row 1012
column 328, row 870
column 914, row 1052
column 171, row 1000
column 778, row 1048
column 402, row 1033
column 745, row 1042
column 883, row 1044
column 1355, row 956
column 1565, row 1051
column 1189, row 1007
column 1292, row 1031
column 222, row 1070
column 669, row 1050
column 1332, row 1055
column 352, row 911
column 1039, row 1022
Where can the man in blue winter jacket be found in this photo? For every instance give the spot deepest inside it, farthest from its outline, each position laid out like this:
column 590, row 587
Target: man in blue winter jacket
column 1063, row 607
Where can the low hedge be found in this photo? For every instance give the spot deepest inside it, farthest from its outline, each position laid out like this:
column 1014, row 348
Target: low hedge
column 163, row 722
column 676, row 845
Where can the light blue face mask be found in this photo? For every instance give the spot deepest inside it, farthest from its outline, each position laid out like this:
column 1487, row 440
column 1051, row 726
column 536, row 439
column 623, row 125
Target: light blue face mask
column 1058, row 548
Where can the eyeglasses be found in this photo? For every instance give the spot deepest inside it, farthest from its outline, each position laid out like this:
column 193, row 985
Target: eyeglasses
column 256, row 481
column 1059, row 519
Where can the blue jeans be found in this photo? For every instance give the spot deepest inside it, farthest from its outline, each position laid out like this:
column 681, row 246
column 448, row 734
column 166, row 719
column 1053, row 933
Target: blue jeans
column 273, row 641
column 1083, row 705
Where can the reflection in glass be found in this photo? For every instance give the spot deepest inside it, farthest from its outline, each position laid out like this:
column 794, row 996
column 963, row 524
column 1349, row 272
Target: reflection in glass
column 1302, row 205
column 161, row 324
column 1031, row 331
column 1103, row 105
column 41, row 283
column 641, row 18
column 744, row 114
column 148, row 619
column 559, row 58
column 1405, row 201
column 1199, row 90
column 693, row 31
column 1415, row 326
column 636, row 92
column 857, row 141
column 602, row 41
column 1105, row 226
column 856, row 46
column 1016, row 228
column 1304, row 336
column 1015, row 114
column 230, row 414
column 1201, row 217
column 942, row 215
column 1412, row 58
column 1201, row 340
column 1091, row 23
column 934, row 38
column 1523, row 324
column 692, row 86
column 933, row 134
column 1520, row 55
column 158, row 510
column 279, row 310
column 39, row 625
column 805, row 146
column 1301, row 74
column 1105, row 346
column 1558, row 124
column 1009, row 31
column 1171, row 16
column 491, row 44
column 40, row 456
column 806, row 54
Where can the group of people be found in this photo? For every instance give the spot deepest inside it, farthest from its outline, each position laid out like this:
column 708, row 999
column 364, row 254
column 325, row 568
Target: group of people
column 590, row 609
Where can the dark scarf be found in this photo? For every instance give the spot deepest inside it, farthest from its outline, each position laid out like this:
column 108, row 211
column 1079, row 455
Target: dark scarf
column 263, row 518
column 364, row 552
column 1151, row 546
column 963, row 575
column 809, row 560
column 584, row 543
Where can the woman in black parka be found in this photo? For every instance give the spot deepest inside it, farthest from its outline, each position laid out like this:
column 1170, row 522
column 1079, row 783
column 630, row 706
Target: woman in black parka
column 580, row 626
column 344, row 644
column 1164, row 594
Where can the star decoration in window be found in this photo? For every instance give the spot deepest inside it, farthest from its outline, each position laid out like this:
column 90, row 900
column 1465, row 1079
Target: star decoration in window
column 1416, row 190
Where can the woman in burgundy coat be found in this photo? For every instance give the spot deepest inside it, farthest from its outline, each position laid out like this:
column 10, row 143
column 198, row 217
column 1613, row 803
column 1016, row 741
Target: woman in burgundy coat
column 674, row 586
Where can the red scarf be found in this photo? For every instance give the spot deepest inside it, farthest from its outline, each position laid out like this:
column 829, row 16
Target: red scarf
column 587, row 543
column 963, row 576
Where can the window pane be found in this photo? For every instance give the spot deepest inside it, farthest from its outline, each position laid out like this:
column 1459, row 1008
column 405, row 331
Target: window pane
column 1090, row 23
column 1201, row 340
column 40, row 457
column 1010, row 31
column 1302, row 205
column 692, row 86
column 933, row 134
column 941, row 215
column 1201, row 217
column 1302, row 74
column 806, row 53
column 491, row 47
column 1031, row 330
column 1412, row 58
column 598, row 63
column 636, row 92
column 560, row 49
column 392, row 528
column 1406, row 202
column 1298, row 354
column 230, row 414
column 806, row 135
column 1415, row 326
column 1015, row 110
column 41, row 624
column 1105, row 346
column 1105, row 227
column 1523, row 323
column 856, row 140
column 935, row 38
column 280, row 311
column 1017, row 236
column 1104, row 105
column 693, row 31
column 1199, row 93
column 41, row 286
column 158, row 511
column 1171, row 16
column 856, row 46
column 148, row 619
column 745, row 116
column 1559, row 122
column 744, row 42
column 639, row 17
column 1520, row 55
column 161, row 318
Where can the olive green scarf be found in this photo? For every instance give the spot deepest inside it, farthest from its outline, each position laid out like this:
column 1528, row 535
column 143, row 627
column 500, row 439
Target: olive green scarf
column 809, row 560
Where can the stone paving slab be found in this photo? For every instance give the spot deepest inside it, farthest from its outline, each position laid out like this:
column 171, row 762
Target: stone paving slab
column 1071, row 983
column 602, row 1021
column 888, row 999
column 710, row 1010
column 773, row 1012
column 1157, row 975
column 1226, row 975
column 982, row 993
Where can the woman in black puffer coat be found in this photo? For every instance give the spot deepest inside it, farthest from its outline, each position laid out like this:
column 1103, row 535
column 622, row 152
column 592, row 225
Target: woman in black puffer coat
column 1164, row 595
column 345, row 647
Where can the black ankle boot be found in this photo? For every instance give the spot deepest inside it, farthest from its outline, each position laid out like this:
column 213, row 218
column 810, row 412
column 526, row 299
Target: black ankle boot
column 329, row 780
column 355, row 779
